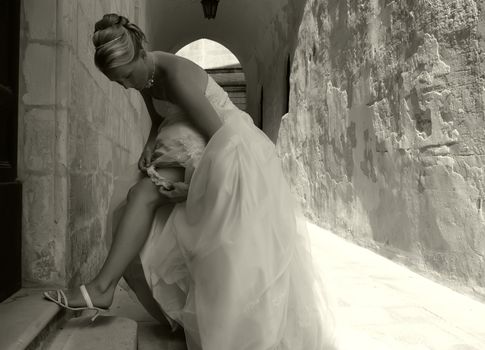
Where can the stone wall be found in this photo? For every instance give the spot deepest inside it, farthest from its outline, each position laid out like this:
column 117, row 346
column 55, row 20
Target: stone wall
column 385, row 141
column 77, row 131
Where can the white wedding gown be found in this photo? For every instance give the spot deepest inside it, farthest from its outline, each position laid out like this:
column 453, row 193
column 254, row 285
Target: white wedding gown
column 232, row 264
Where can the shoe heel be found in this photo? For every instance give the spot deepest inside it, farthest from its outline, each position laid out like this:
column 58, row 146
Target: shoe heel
column 98, row 312
column 95, row 316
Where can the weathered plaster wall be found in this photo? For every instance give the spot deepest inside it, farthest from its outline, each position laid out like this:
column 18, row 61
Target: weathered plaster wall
column 77, row 131
column 385, row 139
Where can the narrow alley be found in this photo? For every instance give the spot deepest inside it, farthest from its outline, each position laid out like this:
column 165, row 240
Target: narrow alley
column 375, row 109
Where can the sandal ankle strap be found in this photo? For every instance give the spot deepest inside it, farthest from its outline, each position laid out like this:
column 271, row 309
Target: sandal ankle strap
column 86, row 296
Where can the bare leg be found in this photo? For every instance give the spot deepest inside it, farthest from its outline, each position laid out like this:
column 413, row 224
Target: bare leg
column 135, row 278
column 142, row 201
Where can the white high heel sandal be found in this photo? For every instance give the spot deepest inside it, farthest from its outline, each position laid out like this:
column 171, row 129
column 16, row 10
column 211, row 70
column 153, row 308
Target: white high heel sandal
column 61, row 300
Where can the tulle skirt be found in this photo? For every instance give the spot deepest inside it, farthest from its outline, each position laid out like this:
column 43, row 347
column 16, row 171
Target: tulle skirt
column 233, row 263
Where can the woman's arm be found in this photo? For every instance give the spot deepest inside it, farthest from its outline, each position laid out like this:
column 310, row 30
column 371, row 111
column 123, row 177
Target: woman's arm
column 184, row 90
column 146, row 155
column 154, row 116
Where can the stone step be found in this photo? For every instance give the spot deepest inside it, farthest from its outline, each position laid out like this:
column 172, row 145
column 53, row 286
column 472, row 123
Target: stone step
column 105, row 333
column 152, row 336
column 232, row 80
column 26, row 318
column 229, row 78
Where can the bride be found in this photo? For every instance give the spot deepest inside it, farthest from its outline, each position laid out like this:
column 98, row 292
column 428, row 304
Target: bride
column 209, row 220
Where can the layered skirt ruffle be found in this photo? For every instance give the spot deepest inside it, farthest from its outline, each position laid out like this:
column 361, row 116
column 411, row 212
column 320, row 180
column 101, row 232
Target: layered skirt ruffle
column 233, row 264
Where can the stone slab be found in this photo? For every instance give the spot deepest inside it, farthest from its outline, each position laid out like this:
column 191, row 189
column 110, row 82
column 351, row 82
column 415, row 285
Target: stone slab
column 384, row 305
column 22, row 317
column 106, row 332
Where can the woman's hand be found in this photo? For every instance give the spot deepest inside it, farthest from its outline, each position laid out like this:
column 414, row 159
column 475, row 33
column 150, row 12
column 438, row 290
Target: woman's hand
column 145, row 159
column 176, row 194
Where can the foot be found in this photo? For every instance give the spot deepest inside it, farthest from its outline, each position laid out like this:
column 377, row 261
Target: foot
column 101, row 297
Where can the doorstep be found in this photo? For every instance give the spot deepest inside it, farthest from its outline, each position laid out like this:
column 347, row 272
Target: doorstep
column 25, row 318
column 105, row 333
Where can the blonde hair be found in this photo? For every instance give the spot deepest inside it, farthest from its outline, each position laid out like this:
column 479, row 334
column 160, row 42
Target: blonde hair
column 117, row 42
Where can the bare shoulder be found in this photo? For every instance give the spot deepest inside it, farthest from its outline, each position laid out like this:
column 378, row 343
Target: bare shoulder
column 178, row 71
column 185, row 83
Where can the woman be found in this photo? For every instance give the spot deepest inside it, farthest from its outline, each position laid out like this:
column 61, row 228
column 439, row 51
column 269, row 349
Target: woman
column 229, row 262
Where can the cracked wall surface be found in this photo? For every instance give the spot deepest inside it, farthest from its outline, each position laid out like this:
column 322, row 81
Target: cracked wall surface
column 385, row 139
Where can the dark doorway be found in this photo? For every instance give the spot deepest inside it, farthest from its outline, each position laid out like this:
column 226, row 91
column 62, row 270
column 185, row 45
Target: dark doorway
column 287, row 81
column 10, row 188
column 261, row 108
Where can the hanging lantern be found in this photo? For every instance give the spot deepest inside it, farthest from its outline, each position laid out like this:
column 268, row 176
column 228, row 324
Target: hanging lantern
column 210, row 8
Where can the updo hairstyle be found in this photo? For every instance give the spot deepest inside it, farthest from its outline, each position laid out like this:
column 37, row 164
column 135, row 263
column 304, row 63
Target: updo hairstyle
column 117, row 42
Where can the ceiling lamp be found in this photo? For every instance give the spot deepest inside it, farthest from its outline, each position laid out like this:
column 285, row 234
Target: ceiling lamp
column 210, row 8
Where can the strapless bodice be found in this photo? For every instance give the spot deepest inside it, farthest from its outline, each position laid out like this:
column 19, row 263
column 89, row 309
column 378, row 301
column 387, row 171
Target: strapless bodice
column 169, row 111
column 216, row 95
column 178, row 142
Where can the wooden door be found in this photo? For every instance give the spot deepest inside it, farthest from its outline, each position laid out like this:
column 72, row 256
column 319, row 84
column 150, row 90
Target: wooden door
column 10, row 188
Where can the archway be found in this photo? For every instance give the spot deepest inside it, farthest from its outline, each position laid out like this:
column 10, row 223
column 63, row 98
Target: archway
column 222, row 65
column 209, row 54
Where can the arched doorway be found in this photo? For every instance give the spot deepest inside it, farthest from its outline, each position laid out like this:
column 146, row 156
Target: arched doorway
column 222, row 65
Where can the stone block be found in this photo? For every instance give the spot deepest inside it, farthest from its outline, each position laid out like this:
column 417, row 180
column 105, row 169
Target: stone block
column 38, row 199
column 82, row 92
column 85, row 48
column 104, row 188
column 61, row 198
column 63, row 75
column 88, row 252
column 102, row 7
column 66, row 23
column 83, row 204
column 123, row 134
column 39, row 140
column 118, row 164
column 41, row 19
column 88, row 7
column 43, row 244
column 125, row 6
column 23, row 317
column 39, row 83
column 103, row 82
column 115, row 122
column 83, row 147
column 79, row 247
column 101, row 109
column 105, row 152
column 61, row 141
column 109, row 333
column 136, row 102
column 132, row 157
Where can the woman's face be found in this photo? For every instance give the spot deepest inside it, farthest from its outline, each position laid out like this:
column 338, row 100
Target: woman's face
column 131, row 75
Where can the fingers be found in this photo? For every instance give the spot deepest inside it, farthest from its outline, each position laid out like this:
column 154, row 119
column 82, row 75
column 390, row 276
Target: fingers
column 144, row 163
column 141, row 166
column 170, row 194
column 145, row 159
column 177, row 194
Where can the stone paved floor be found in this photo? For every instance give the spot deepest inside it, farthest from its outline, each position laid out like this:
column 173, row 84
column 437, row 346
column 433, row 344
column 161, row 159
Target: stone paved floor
column 383, row 305
column 380, row 305
column 151, row 336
